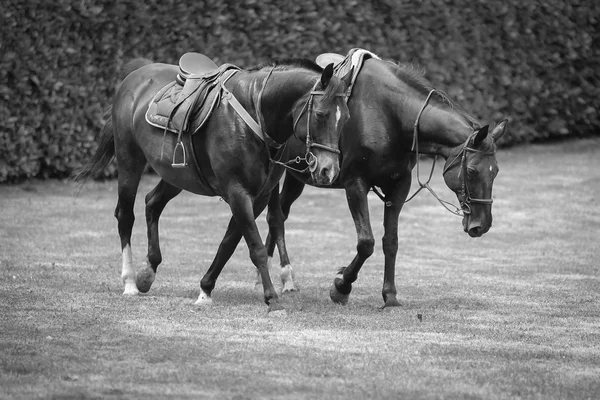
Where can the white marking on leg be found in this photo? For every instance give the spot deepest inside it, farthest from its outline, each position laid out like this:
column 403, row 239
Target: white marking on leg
column 288, row 279
column 128, row 273
column 203, row 300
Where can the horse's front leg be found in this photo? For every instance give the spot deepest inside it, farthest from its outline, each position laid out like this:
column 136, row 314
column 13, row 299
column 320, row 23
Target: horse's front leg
column 356, row 194
column 279, row 210
column 395, row 196
column 156, row 201
column 241, row 224
column 232, row 237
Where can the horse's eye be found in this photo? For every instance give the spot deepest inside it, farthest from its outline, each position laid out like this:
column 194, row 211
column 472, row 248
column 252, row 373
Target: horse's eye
column 472, row 172
column 320, row 116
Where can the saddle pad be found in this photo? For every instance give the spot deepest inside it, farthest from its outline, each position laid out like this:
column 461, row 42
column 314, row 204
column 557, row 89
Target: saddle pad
column 352, row 63
column 185, row 108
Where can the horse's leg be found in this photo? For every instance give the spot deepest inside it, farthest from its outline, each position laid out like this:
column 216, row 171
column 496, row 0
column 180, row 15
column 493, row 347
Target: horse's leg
column 156, row 201
column 395, row 197
column 241, row 224
column 232, row 237
column 130, row 173
column 279, row 210
column 356, row 193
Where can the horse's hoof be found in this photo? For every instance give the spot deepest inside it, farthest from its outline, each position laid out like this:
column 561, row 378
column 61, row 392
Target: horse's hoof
column 288, row 280
column 391, row 301
column 276, row 309
column 203, row 300
column 131, row 290
column 338, row 297
column 144, row 279
column 289, row 288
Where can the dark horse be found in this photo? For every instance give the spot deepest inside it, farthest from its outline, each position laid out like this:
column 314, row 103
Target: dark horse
column 296, row 97
column 395, row 114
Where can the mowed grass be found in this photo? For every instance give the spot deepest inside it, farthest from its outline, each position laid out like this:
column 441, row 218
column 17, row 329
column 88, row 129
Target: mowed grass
column 514, row 314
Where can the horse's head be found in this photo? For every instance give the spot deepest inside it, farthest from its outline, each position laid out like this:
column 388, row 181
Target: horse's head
column 469, row 172
column 319, row 120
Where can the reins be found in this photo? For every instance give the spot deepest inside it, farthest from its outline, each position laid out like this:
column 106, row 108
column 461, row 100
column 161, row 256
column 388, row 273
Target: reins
column 465, row 204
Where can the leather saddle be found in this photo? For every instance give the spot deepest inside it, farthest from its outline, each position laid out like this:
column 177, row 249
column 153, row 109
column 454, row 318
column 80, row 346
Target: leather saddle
column 343, row 65
column 186, row 103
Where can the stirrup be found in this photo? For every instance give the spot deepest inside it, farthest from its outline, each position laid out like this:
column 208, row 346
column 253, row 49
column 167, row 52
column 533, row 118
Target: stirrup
column 182, row 164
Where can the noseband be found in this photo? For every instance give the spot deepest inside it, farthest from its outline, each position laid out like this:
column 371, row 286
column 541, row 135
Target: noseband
column 467, row 200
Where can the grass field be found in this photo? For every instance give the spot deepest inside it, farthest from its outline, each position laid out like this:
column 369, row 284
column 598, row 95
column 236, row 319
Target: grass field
column 514, row 314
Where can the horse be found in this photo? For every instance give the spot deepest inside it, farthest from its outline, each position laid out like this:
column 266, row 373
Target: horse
column 234, row 158
column 395, row 115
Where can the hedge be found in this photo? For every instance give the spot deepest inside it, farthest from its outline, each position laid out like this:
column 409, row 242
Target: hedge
column 534, row 62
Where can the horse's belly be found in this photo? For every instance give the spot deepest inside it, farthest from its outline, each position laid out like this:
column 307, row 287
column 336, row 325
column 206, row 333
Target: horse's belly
column 160, row 151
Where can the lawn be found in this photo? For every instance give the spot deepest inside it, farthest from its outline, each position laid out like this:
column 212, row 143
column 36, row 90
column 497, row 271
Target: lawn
column 514, row 314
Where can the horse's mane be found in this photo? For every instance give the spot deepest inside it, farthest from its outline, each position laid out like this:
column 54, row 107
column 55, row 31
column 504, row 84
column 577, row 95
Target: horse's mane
column 415, row 77
column 334, row 87
column 288, row 63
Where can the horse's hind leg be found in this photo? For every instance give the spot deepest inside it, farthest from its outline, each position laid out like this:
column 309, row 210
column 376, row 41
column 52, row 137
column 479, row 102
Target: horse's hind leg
column 279, row 210
column 156, row 201
column 128, row 182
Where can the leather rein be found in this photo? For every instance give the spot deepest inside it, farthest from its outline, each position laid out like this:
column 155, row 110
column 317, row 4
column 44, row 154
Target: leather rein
column 467, row 200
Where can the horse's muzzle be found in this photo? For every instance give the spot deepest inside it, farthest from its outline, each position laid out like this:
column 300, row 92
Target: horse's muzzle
column 325, row 170
column 474, row 228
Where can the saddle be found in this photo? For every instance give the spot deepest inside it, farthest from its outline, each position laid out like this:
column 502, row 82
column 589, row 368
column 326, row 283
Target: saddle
column 185, row 104
column 351, row 63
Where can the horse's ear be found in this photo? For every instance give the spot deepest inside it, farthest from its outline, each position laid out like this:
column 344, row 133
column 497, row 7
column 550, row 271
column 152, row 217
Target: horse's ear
column 326, row 76
column 499, row 130
column 481, row 134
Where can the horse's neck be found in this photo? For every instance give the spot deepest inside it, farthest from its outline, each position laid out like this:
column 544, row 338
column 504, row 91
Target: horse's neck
column 278, row 101
column 442, row 129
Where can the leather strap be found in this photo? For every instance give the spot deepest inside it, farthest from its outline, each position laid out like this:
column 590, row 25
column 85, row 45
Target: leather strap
column 256, row 128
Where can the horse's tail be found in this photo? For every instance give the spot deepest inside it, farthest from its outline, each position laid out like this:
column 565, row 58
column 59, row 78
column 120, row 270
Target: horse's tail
column 104, row 154
column 106, row 147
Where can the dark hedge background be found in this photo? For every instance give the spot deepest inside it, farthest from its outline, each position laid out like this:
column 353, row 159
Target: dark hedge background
column 534, row 62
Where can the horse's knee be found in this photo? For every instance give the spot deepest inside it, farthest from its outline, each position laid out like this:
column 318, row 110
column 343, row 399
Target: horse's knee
column 365, row 247
column 259, row 255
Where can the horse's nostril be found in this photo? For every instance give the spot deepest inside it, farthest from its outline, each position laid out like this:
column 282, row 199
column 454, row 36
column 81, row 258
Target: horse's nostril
column 475, row 231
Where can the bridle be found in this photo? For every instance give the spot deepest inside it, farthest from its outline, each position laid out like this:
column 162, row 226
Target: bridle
column 467, row 200
column 309, row 157
column 465, row 193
